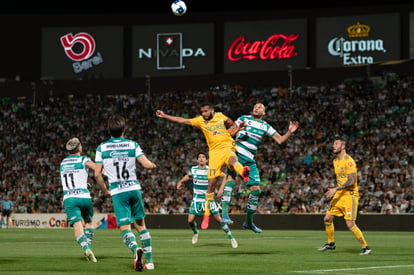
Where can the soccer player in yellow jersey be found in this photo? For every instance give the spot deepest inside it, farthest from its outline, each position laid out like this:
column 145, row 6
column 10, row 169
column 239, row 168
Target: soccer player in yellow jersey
column 218, row 130
column 344, row 198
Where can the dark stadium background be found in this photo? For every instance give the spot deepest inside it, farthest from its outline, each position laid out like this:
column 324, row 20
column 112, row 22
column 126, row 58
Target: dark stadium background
column 163, row 6
column 21, row 27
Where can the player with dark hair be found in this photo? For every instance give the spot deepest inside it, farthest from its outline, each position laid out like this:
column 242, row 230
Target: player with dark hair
column 76, row 196
column 200, row 184
column 118, row 157
column 218, row 130
column 344, row 197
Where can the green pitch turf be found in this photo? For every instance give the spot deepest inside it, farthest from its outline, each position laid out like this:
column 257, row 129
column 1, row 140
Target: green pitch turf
column 54, row 251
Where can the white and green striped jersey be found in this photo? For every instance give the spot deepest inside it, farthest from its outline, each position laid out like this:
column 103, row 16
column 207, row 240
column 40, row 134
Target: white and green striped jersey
column 248, row 139
column 118, row 157
column 200, row 182
column 74, row 177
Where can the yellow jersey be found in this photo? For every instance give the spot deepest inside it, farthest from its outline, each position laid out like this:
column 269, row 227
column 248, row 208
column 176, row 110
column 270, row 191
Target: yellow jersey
column 215, row 131
column 343, row 167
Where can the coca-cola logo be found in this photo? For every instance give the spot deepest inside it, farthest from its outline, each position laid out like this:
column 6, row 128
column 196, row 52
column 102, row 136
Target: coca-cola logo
column 276, row 46
column 82, row 39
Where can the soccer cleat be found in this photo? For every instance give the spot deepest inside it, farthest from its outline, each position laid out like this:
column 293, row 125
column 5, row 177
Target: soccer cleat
column 89, row 256
column 245, row 173
column 194, row 239
column 226, row 220
column 365, row 251
column 327, row 246
column 149, row 266
column 138, row 265
column 204, row 223
column 252, row 226
column 234, row 243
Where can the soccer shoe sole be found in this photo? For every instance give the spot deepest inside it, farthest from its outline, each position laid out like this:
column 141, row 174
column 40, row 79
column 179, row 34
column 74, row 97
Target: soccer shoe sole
column 246, row 173
column 204, row 224
column 138, row 266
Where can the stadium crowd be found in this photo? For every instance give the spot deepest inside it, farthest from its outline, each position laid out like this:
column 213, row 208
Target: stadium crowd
column 377, row 118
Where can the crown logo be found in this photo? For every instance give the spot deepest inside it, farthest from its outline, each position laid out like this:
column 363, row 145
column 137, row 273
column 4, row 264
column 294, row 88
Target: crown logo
column 358, row 30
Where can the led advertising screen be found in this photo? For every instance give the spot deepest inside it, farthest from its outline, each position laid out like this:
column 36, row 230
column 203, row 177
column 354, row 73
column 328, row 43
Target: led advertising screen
column 173, row 50
column 265, row 45
column 83, row 53
column 411, row 30
column 357, row 40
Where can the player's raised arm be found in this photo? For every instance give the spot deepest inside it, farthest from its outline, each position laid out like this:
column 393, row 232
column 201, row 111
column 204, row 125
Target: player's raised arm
column 293, row 126
column 177, row 119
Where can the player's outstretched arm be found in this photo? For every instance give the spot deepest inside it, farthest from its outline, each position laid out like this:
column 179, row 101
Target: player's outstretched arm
column 177, row 119
column 293, row 126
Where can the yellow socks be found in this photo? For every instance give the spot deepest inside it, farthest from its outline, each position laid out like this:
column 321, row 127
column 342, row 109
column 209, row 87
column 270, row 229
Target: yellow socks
column 330, row 230
column 238, row 167
column 359, row 236
column 209, row 198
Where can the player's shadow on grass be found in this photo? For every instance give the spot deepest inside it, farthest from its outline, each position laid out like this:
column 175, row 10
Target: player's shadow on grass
column 239, row 250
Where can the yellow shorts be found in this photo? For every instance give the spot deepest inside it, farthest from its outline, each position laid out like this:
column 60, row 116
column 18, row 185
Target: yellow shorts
column 218, row 160
column 345, row 205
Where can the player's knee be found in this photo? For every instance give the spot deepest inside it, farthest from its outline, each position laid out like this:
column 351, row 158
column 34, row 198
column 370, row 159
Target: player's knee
column 328, row 219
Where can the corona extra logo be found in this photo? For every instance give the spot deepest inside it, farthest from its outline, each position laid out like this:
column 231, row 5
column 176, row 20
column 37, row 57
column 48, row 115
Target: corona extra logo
column 358, row 49
column 358, row 30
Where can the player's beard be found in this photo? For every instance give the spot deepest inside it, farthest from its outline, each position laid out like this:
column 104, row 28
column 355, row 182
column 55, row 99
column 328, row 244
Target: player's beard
column 210, row 116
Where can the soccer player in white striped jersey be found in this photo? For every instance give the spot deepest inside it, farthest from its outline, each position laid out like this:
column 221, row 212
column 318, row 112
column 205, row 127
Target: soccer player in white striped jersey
column 118, row 156
column 76, row 196
column 200, row 185
column 247, row 142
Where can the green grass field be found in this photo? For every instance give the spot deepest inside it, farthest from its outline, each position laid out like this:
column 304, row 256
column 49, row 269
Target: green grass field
column 54, row 251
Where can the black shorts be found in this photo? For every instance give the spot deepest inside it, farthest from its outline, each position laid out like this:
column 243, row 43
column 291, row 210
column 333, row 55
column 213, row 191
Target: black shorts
column 6, row 213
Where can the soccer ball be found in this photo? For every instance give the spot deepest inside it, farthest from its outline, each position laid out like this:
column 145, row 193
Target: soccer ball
column 178, row 7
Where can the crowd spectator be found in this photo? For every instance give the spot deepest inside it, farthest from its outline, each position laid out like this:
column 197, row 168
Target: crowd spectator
column 378, row 120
